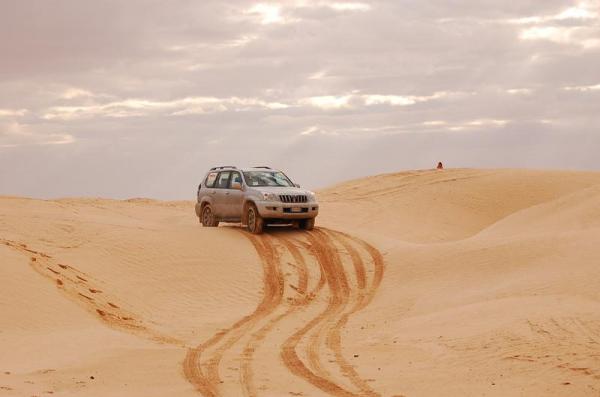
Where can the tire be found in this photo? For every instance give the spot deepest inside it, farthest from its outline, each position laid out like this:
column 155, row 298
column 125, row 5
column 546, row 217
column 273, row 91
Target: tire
column 307, row 224
column 256, row 223
column 208, row 217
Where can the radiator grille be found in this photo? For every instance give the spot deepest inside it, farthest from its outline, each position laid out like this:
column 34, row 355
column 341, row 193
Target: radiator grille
column 293, row 198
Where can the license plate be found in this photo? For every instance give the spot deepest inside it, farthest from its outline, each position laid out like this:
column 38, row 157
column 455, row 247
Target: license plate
column 296, row 209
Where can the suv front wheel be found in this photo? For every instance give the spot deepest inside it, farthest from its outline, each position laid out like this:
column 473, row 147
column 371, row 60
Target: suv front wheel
column 307, row 224
column 208, row 217
column 256, row 223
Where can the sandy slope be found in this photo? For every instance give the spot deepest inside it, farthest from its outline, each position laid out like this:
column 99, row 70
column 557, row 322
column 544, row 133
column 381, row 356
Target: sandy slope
column 492, row 282
column 424, row 283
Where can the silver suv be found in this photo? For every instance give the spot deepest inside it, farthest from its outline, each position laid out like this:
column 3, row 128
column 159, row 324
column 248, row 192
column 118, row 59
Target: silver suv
column 255, row 197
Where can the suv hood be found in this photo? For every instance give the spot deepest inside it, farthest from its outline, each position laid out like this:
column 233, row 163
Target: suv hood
column 280, row 190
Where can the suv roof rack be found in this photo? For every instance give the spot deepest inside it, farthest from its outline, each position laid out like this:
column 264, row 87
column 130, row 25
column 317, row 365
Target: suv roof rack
column 263, row 166
column 223, row 166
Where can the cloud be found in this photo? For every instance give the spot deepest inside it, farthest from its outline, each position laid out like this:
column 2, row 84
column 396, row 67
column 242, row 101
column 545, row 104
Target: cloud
column 285, row 12
column 425, row 127
column 206, row 105
column 13, row 135
column 583, row 88
column 441, row 125
column 321, row 74
column 394, row 100
column 6, row 113
column 328, row 102
column 582, row 36
column 356, row 100
column 435, row 123
column 72, row 93
column 576, row 25
column 356, row 131
column 400, row 100
column 519, row 91
column 140, row 95
column 583, row 11
column 145, row 107
column 349, row 6
column 267, row 13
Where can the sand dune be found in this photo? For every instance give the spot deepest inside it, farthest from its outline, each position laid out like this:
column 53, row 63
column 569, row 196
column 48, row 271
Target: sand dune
column 422, row 283
column 500, row 298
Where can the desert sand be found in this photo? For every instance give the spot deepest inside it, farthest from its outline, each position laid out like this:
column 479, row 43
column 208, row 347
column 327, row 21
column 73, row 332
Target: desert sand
column 457, row 282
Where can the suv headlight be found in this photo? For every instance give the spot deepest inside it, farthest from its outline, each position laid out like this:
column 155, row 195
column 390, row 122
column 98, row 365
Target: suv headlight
column 311, row 196
column 270, row 197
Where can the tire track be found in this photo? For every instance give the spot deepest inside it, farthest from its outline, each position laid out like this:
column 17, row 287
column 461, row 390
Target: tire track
column 85, row 290
column 313, row 282
column 205, row 375
column 363, row 297
column 323, row 248
column 313, row 372
column 296, row 269
column 331, row 321
column 300, row 265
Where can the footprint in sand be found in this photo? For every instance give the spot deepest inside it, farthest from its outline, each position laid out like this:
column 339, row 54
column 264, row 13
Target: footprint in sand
column 86, row 297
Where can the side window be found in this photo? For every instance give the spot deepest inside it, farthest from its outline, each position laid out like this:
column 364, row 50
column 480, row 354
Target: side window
column 223, row 180
column 210, row 179
column 235, row 177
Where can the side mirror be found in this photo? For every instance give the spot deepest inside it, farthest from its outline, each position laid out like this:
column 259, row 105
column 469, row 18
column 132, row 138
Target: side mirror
column 297, row 184
column 236, row 185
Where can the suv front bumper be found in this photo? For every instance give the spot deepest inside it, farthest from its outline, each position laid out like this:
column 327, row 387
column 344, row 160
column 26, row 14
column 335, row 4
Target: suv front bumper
column 278, row 210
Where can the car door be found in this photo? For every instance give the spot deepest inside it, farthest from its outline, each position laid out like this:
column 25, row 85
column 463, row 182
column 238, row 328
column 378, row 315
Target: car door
column 207, row 190
column 234, row 198
column 220, row 196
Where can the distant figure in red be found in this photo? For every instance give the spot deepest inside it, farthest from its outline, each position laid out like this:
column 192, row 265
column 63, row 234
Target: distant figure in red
column 440, row 166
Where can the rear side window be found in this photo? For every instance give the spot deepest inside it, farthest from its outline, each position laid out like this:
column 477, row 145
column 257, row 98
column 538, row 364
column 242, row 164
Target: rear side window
column 210, row 179
column 236, row 177
column 223, row 180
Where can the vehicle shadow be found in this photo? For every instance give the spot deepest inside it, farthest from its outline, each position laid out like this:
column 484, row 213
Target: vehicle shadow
column 289, row 229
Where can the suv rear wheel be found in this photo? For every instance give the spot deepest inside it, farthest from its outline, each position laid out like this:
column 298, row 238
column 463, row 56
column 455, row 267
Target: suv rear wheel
column 208, row 218
column 307, row 224
column 256, row 223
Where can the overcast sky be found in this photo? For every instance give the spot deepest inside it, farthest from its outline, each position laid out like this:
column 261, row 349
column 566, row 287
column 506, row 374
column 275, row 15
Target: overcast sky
column 139, row 98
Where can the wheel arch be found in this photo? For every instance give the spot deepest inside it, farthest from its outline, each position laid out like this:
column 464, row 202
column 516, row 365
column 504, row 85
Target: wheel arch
column 247, row 202
column 200, row 206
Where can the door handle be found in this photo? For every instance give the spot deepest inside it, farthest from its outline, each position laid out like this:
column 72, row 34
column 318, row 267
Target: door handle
column 227, row 193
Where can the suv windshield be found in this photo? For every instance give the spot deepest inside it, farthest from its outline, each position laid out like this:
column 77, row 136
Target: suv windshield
column 267, row 178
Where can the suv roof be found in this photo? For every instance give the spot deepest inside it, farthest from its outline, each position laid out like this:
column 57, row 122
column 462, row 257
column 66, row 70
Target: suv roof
column 232, row 167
